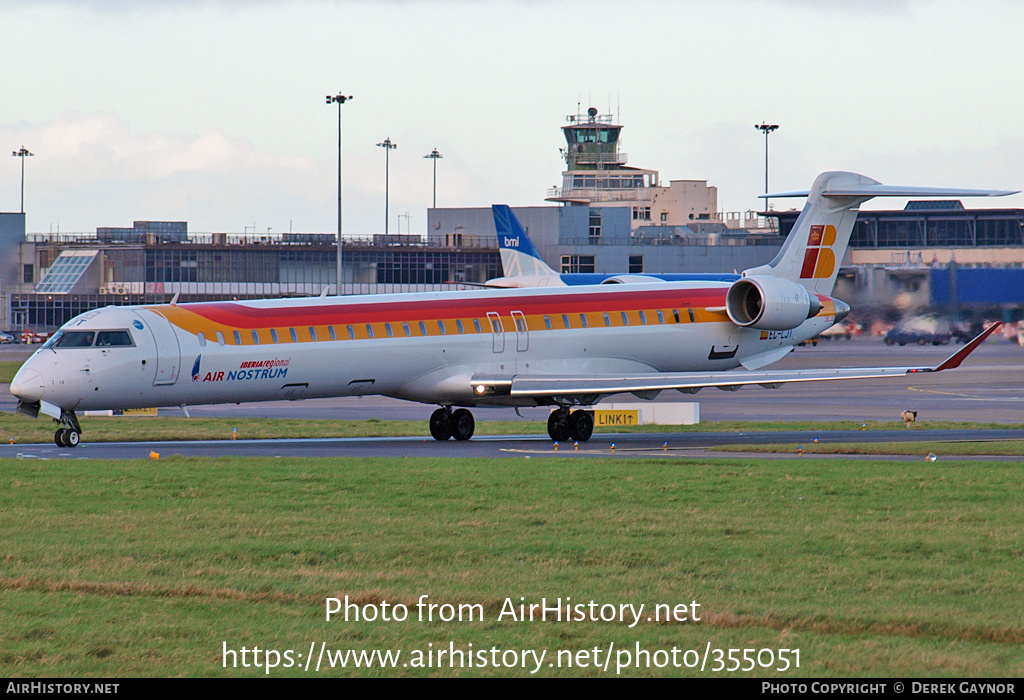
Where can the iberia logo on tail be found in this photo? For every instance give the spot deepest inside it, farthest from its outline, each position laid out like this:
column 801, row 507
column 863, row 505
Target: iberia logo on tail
column 819, row 260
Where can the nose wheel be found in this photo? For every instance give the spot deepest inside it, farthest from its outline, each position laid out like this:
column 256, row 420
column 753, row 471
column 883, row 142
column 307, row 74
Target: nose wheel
column 67, row 437
column 70, row 432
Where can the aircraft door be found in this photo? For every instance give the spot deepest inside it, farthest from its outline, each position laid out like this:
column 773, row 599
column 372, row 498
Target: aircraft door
column 168, row 352
column 522, row 332
column 497, row 332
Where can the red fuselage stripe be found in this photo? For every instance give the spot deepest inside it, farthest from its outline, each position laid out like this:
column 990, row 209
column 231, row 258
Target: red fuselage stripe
column 239, row 315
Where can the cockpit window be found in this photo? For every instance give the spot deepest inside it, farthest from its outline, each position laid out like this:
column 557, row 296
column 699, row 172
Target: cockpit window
column 73, row 339
column 84, row 339
column 108, row 339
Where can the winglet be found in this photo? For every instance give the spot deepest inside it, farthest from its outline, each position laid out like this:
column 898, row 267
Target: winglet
column 956, row 358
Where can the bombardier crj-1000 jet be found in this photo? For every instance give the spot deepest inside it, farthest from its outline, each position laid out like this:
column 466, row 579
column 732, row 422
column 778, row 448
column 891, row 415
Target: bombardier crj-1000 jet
column 565, row 347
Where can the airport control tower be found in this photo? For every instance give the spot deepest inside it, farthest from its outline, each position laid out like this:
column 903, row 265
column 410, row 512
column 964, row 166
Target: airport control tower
column 596, row 170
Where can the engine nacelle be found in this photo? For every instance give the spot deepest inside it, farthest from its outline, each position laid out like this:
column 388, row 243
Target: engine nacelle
column 632, row 279
column 770, row 303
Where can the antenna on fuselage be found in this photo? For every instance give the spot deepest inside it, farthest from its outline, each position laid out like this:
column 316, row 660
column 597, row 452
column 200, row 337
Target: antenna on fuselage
column 174, row 299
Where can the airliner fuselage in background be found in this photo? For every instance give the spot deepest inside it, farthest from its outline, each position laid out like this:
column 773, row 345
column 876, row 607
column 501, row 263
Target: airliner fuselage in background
column 565, row 347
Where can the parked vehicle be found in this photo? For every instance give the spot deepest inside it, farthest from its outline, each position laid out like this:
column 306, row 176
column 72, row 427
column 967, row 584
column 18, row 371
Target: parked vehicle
column 844, row 329
column 6, row 338
column 31, row 337
column 922, row 330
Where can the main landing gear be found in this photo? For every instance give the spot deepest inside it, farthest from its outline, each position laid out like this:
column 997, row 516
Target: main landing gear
column 563, row 425
column 70, row 432
column 577, row 425
column 446, row 423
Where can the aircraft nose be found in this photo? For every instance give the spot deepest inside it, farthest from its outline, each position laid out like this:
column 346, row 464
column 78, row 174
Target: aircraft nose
column 27, row 385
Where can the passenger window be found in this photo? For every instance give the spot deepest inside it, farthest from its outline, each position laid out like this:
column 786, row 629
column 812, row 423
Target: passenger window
column 255, row 338
column 583, row 321
column 520, row 324
column 547, row 322
column 405, row 329
column 369, row 330
column 440, row 327
column 625, row 319
column 675, row 312
column 458, row 324
column 693, row 317
column 387, row 328
column 423, row 328
column 661, row 316
column 643, row 319
column 351, row 333
column 220, row 338
column 565, row 320
column 496, row 326
column 607, row 320
column 202, row 340
column 273, row 334
column 476, row 324
column 109, row 339
column 312, row 332
column 330, row 330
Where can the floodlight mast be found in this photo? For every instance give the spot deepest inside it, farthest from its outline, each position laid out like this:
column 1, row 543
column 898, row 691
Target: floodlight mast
column 434, row 155
column 388, row 146
column 23, row 153
column 339, row 99
column 767, row 129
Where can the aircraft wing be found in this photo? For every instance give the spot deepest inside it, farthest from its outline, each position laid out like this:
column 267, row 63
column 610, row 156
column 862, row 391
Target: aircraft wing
column 551, row 386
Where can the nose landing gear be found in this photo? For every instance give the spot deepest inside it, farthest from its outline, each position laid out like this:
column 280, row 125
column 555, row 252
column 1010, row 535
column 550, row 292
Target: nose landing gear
column 71, row 433
column 446, row 423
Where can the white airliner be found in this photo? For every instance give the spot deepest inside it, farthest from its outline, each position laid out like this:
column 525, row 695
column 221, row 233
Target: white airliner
column 563, row 347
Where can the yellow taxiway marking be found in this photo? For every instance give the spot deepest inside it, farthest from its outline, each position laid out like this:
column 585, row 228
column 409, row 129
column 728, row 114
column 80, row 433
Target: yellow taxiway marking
column 966, row 396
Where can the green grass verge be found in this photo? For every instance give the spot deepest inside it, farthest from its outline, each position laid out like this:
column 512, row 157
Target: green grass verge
column 871, row 569
column 8, row 369
column 944, row 449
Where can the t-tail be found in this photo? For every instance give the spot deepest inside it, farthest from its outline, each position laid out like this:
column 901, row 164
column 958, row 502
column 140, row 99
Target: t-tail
column 799, row 281
column 815, row 248
column 519, row 257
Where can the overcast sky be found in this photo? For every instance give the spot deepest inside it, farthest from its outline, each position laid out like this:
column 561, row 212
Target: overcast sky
column 213, row 111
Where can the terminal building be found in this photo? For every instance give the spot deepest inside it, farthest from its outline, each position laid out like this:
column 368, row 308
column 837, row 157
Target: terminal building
column 606, row 216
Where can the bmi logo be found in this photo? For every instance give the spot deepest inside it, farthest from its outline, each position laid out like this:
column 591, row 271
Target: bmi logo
column 819, row 260
column 511, row 242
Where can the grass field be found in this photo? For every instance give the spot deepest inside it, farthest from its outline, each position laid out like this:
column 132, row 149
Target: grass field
column 868, row 568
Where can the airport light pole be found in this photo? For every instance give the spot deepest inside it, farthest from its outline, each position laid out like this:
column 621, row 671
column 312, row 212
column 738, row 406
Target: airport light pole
column 434, row 155
column 340, row 100
column 23, row 153
column 388, row 147
column 767, row 129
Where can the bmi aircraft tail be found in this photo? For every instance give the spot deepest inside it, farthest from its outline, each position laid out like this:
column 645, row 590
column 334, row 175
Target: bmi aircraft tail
column 815, row 248
column 519, row 257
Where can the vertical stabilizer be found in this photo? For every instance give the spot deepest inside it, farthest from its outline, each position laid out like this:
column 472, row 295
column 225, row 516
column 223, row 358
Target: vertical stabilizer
column 815, row 247
column 519, row 257
column 817, row 244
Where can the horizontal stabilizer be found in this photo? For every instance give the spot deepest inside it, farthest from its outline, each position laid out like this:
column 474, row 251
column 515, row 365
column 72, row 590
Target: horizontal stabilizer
column 893, row 191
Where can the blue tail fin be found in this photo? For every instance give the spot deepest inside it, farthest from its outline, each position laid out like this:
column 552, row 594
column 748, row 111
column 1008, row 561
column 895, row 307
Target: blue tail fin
column 519, row 257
